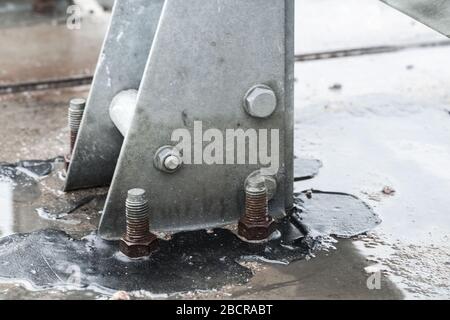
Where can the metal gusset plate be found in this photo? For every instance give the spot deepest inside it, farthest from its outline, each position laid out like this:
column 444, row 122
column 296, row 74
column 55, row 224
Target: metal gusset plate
column 205, row 57
column 433, row 13
column 120, row 67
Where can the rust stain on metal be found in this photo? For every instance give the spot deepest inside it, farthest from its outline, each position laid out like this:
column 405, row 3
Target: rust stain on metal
column 256, row 224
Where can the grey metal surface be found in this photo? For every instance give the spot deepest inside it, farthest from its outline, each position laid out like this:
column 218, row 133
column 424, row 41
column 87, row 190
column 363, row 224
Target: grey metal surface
column 205, row 57
column 433, row 13
column 120, row 67
column 289, row 82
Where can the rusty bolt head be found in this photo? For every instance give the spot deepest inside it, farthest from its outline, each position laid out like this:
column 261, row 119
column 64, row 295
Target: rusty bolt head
column 257, row 232
column 260, row 101
column 139, row 249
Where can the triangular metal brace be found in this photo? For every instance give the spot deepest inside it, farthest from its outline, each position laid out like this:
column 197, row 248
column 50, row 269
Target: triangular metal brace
column 189, row 62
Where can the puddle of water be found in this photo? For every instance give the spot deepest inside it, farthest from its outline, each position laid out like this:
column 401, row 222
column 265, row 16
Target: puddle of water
column 31, row 199
column 305, row 169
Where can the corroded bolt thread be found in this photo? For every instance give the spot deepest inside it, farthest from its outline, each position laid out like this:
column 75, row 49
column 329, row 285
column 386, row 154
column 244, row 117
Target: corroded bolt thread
column 256, row 202
column 137, row 215
column 256, row 224
column 138, row 241
column 76, row 111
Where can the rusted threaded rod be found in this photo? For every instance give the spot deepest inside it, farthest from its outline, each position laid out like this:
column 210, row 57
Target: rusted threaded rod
column 256, row 224
column 137, row 215
column 137, row 241
column 76, row 111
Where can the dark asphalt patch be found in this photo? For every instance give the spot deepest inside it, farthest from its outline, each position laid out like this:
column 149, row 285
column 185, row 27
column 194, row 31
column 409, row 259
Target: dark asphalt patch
column 305, row 169
column 332, row 213
column 189, row 261
column 197, row 260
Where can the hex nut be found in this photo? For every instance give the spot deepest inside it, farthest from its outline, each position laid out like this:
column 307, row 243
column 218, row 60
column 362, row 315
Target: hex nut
column 139, row 249
column 260, row 101
column 257, row 232
column 168, row 159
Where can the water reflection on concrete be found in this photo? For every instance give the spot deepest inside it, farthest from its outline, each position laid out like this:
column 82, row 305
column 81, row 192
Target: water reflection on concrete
column 31, row 199
column 338, row 273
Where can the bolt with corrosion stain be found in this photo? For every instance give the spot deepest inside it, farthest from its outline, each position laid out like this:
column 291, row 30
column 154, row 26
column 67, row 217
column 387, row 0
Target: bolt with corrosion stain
column 256, row 224
column 138, row 241
column 76, row 111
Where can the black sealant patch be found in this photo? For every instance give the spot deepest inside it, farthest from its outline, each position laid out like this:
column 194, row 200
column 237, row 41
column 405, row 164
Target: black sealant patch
column 305, row 169
column 332, row 213
column 189, row 261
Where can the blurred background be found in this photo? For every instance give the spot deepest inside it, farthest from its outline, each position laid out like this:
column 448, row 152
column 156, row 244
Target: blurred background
column 38, row 47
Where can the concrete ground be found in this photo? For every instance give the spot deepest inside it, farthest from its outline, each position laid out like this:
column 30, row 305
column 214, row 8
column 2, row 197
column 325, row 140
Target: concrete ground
column 376, row 121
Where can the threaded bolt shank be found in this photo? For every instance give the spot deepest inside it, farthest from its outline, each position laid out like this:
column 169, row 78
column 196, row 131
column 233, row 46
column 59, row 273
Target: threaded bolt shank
column 137, row 215
column 138, row 241
column 76, row 111
column 256, row 224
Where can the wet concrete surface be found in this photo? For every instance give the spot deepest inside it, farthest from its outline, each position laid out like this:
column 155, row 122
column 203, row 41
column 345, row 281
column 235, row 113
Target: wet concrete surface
column 305, row 169
column 373, row 121
column 387, row 128
column 33, row 125
column 20, row 13
column 337, row 273
column 45, row 52
column 37, row 253
column 31, row 188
